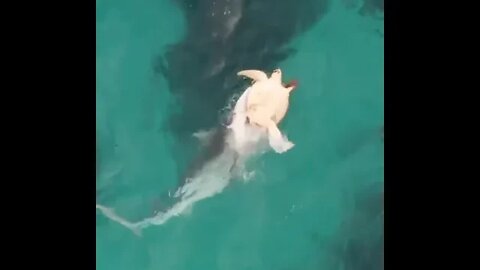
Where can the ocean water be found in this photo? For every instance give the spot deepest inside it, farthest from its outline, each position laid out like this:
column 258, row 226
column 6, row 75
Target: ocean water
column 318, row 206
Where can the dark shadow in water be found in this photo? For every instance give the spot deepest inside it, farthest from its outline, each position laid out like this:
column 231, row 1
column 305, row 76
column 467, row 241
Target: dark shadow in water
column 366, row 7
column 372, row 7
column 359, row 243
column 222, row 38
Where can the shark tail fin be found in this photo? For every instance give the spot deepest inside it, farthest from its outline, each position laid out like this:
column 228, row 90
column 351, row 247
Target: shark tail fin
column 110, row 213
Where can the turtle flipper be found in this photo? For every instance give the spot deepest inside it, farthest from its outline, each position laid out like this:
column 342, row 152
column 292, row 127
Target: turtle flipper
column 277, row 141
column 256, row 75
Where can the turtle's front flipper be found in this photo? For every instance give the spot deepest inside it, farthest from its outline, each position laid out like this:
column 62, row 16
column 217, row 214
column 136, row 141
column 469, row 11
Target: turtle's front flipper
column 253, row 74
column 277, row 141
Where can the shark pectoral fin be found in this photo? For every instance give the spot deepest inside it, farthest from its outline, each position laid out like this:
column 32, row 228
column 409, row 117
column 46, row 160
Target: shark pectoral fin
column 277, row 141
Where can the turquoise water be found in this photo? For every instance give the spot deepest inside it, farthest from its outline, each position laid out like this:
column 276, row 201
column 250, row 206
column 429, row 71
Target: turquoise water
column 301, row 208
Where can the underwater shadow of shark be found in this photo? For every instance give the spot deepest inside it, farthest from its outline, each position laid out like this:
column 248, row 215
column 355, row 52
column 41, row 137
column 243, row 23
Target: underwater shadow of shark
column 223, row 37
column 238, row 141
column 213, row 49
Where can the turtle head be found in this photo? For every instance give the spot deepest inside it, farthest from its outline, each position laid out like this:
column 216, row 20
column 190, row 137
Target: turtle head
column 277, row 75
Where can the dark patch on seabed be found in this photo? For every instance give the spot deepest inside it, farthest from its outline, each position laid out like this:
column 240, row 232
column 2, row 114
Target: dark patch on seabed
column 359, row 243
column 372, row 7
column 222, row 38
column 366, row 7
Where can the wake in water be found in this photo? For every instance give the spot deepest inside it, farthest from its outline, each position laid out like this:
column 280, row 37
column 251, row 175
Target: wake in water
column 242, row 141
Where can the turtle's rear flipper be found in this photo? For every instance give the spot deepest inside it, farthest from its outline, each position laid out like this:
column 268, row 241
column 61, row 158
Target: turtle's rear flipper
column 277, row 141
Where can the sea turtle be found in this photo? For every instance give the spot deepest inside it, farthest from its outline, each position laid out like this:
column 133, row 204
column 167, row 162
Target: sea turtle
column 267, row 103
